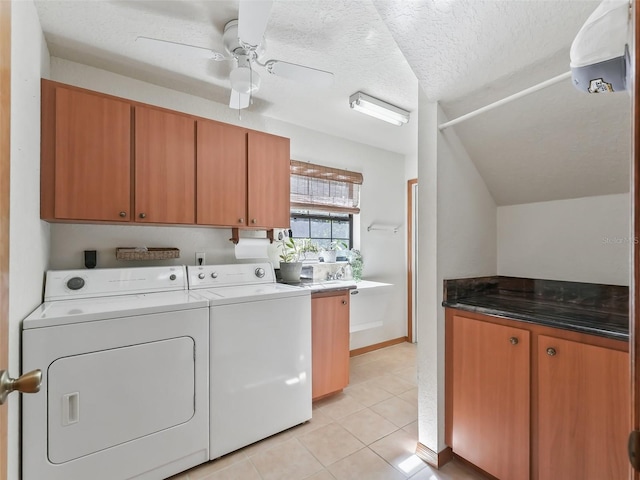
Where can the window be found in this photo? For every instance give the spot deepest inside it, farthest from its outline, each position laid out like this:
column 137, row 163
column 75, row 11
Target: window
column 323, row 202
column 322, row 227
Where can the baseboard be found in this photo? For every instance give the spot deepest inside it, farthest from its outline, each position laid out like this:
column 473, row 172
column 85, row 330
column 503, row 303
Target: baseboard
column 377, row 346
column 434, row 459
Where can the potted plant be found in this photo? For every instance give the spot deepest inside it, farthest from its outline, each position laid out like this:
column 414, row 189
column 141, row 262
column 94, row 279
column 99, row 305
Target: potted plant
column 330, row 252
column 356, row 263
column 293, row 252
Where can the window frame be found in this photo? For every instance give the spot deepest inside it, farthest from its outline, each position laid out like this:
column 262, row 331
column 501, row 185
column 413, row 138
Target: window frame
column 319, row 215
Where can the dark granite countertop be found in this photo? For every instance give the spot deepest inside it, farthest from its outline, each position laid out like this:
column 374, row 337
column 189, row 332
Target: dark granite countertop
column 582, row 307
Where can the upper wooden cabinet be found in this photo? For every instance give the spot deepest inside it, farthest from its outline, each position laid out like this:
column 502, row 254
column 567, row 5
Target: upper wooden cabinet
column 243, row 177
column 86, row 156
column 491, row 380
column 269, row 182
column 164, row 167
column 222, row 174
column 106, row 159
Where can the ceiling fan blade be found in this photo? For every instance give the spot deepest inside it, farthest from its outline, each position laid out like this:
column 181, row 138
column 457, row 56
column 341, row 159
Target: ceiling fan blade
column 252, row 21
column 239, row 100
column 300, row 73
column 180, row 48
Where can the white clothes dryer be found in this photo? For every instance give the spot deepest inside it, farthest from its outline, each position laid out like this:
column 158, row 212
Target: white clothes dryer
column 124, row 355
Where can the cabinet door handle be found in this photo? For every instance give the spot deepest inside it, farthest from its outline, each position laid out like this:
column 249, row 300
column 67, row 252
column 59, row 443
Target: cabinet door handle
column 123, row 214
column 344, row 302
column 513, row 340
column 143, row 215
column 241, row 220
column 253, row 220
column 551, row 351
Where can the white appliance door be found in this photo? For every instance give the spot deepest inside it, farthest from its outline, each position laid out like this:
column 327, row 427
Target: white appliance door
column 260, row 370
column 121, row 398
column 102, row 399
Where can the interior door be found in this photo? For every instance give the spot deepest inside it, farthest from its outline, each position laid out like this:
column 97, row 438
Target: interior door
column 5, row 118
column 412, row 260
column 634, row 294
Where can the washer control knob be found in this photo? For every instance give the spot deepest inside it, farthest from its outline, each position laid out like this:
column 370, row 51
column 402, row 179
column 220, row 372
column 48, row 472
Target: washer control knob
column 172, row 276
column 259, row 272
column 214, row 275
column 201, row 276
column 75, row 283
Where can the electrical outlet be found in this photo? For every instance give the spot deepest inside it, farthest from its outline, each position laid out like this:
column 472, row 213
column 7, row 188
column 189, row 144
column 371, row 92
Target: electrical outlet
column 199, row 258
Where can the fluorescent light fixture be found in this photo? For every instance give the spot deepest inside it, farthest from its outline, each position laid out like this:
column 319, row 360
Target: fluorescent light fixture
column 378, row 109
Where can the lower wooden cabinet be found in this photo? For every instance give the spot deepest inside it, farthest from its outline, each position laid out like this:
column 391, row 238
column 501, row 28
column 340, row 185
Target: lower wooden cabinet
column 491, row 397
column 583, row 411
column 329, row 342
column 525, row 401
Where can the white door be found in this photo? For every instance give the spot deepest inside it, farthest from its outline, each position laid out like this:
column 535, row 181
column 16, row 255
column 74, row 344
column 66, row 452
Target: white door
column 103, row 399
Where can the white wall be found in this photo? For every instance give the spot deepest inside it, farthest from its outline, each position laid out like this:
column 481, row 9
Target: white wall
column 581, row 240
column 383, row 171
column 29, row 237
column 411, row 161
column 457, row 229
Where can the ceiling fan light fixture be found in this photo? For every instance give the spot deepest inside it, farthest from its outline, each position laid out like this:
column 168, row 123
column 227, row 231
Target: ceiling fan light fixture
column 244, row 80
column 378, row 109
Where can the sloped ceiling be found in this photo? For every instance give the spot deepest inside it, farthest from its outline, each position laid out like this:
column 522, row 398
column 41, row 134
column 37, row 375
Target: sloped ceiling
column 556, row 143
column 553, row 144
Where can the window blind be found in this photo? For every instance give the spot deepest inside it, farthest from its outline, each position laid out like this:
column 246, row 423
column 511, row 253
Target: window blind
column 316, row 187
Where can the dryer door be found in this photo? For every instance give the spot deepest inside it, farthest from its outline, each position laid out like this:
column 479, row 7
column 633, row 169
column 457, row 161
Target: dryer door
column 102, row 399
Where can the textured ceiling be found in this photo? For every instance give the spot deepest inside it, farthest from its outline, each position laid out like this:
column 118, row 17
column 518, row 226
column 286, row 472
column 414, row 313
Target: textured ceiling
column 554, row 144
column 347, row 38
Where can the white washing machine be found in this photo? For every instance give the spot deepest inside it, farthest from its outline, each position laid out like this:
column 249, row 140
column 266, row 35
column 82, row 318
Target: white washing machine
column 124, row 356
column 260, row 353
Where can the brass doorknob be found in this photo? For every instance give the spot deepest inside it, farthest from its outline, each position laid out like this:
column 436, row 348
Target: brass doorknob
column 123, row 214
column 253, row 220
column 143, row 215
column 551, row 351
column 27, row 383
column 513, row 340
column 241, row 220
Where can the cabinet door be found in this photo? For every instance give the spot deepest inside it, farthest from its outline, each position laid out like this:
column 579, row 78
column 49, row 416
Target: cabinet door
column 269, row 183
column 491, row 408
column 92, row 157
column 583, row 405
column 329, row 343
column 165, row 167
column 221, row 174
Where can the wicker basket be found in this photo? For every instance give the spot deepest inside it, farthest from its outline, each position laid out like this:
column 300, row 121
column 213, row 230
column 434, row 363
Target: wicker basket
column 131, row 253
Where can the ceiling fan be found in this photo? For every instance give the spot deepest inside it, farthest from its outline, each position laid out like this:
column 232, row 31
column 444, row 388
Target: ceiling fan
column 244, row 43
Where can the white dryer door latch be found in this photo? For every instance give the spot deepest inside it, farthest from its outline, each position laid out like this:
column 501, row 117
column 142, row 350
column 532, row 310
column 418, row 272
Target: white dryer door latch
column 70, row 408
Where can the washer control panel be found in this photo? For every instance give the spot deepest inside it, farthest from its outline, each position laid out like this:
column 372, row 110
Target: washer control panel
column 207, row 276
column 104, row 282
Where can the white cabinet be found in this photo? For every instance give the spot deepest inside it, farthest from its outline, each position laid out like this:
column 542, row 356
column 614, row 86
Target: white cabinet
column 371, row 305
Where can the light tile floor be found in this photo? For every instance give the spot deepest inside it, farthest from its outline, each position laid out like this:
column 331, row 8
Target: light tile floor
column 369, row 431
